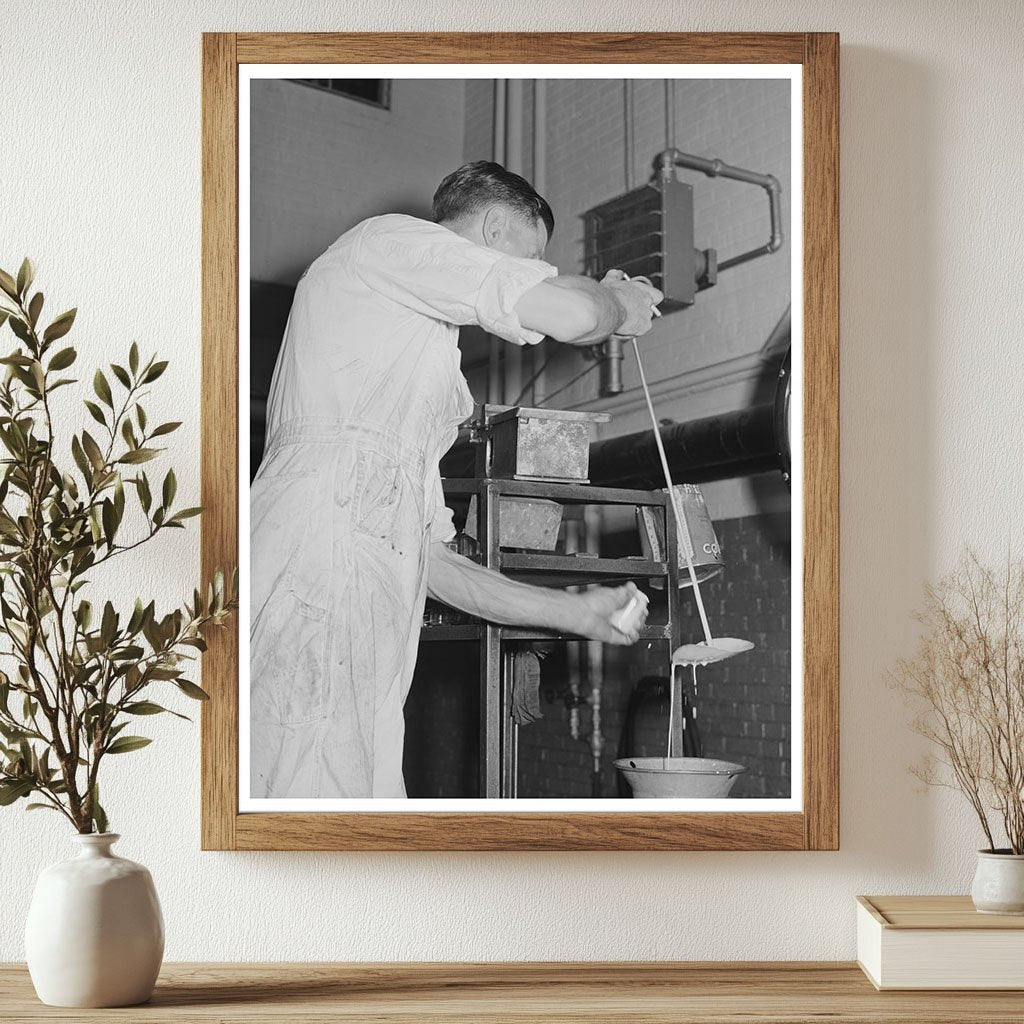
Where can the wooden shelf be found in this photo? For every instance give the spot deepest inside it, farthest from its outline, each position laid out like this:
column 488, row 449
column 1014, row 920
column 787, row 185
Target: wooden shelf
column 524, row 993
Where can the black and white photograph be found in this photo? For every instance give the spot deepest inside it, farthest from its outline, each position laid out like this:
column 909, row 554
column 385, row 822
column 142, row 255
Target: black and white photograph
column 522, row 517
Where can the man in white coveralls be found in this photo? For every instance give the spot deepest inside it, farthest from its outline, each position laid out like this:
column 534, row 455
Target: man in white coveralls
column 348, row 520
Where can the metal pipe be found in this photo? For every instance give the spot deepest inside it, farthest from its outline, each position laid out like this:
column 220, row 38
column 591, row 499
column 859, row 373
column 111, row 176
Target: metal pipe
column 670, row 113
column 670, row 158
column 713, row 448
column 611, row 367
column 494, row 388
column 735, row 444
column 628, row 144
column 513, row 383
column 540, row 183
column 498, row 145
column 595, row 659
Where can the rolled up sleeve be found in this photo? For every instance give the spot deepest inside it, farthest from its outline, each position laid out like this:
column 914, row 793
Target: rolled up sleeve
column 434, row 271
column 505, row 284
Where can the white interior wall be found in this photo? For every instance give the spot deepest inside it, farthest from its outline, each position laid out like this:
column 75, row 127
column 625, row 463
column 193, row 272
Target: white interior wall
column 103, row 190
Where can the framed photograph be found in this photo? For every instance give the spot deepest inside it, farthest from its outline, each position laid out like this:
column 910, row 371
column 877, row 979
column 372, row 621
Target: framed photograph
column 488, row 295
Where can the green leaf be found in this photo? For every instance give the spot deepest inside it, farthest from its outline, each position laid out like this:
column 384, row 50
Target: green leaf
column 20, row 328
column 140, row 415
column 34, row 308
column 128, row 433
column 154, row 371
column 102, row 388
column 125, row 744
column 11, row 791
column 109, row 521
column 96, row 412
column 145, row 497
column 139, row 455
column 80, row 459
column 165, row 428
column 42, row 807
column 8, row 284
column 133, row 358
column 26, row 274
column 108, row 626
column 92, row 449
column 60, row 326
column 185, row 513
column 99, row 816
column 147, row 707
column 170, row 488
column 121, row 374
column 63, row 359
column 17, row 359
column 119, row 498
column 191, row 690
column 129, row 653
column 143, row 707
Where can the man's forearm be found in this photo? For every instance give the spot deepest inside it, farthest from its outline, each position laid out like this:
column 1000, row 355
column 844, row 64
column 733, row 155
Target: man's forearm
column 574, row 310
column 609, row 314
column 471, row 587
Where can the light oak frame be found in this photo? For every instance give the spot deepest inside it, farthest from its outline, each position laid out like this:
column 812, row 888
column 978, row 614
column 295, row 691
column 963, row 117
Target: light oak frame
column 817, row 826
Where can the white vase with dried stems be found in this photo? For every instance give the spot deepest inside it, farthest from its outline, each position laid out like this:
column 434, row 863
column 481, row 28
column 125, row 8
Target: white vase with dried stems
column 966, row 682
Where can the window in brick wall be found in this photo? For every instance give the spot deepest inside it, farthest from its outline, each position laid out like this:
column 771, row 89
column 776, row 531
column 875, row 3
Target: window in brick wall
column 375, row 91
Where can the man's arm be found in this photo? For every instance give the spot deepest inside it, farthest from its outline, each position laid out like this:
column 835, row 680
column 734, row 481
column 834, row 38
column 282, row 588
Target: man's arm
column 472, row 588
column 581, row 311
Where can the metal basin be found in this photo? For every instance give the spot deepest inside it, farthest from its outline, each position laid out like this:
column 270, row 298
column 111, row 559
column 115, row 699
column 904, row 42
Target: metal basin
column 702, row 777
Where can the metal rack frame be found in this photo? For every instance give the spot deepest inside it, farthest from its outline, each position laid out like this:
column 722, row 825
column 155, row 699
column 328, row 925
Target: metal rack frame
column 497, row 731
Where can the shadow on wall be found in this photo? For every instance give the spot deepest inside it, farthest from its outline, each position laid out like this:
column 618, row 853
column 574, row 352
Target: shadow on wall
column 887, row 207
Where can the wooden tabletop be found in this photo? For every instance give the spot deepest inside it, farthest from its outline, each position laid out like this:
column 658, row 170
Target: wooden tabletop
column 662, row 993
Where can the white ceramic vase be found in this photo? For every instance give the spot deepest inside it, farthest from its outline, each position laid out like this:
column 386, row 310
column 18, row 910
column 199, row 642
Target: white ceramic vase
column 999, row 883
column 95, row 933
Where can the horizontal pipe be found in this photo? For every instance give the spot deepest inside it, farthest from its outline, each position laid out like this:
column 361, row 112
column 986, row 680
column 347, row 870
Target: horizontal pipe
column 735, row 444
column 713, row 448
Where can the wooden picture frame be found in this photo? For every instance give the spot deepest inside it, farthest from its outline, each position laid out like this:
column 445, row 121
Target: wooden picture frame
column 816, row 826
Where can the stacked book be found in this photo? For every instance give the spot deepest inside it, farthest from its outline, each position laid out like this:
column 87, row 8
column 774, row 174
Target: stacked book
column 938, row 942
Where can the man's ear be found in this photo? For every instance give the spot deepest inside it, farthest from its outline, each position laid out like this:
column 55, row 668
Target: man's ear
column 494, row 223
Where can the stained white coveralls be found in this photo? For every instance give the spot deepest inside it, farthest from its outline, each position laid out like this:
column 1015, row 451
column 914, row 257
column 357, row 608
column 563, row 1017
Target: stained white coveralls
column 366, row 397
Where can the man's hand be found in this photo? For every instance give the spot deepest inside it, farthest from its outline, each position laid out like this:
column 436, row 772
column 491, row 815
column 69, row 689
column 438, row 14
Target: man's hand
column 599, row 606
column 463, row 584
column 636, row 298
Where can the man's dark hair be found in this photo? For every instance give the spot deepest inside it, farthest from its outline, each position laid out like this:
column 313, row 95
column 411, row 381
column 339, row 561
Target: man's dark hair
column 483, row 183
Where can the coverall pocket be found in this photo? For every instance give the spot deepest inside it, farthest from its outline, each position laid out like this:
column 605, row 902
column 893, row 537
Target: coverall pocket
column 289, row 655
column 379, row 490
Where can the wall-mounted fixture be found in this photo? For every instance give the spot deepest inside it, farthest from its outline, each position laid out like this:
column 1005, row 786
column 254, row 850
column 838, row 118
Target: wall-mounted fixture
column 648, row 232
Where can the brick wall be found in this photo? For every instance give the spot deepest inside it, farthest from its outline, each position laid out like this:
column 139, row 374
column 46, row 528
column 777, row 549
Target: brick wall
column 743, row 703
column 321, row 162
column 743, row 122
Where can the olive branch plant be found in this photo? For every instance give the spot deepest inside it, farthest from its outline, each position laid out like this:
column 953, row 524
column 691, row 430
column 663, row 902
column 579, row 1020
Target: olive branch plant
column 80, row 675
column 966, row 681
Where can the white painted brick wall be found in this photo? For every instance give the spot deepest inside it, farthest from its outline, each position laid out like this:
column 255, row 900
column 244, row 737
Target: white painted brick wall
column 743, row 122
column 321, row 162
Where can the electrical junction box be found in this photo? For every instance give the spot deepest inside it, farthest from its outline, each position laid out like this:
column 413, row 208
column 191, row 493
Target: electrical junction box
column 649, row 233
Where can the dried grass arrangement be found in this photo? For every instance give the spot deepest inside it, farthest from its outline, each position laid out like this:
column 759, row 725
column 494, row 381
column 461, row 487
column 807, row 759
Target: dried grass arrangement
column 966, row 681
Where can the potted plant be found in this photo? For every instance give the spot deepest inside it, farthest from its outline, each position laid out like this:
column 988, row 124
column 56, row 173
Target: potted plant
column 79, row 672
column 967, row 682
